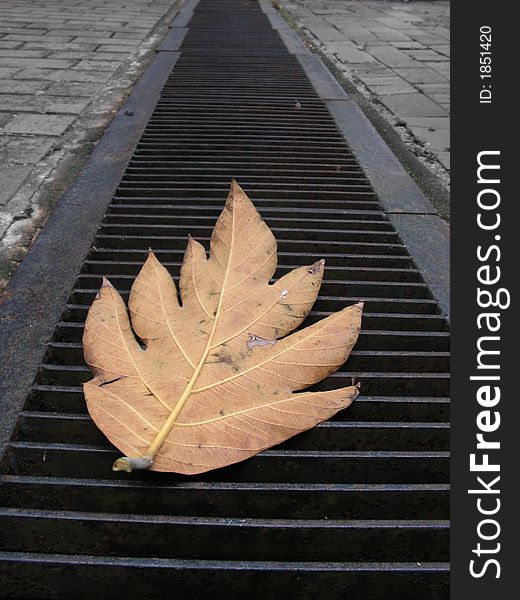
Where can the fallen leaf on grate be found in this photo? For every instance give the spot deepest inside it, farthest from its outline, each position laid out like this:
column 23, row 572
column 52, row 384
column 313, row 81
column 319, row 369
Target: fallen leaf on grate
column 214, row 382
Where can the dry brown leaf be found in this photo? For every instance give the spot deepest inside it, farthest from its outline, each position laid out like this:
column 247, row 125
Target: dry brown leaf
column 214, row 384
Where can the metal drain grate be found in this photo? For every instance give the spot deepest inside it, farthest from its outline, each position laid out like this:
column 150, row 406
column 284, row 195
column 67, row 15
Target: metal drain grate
column 357, row 505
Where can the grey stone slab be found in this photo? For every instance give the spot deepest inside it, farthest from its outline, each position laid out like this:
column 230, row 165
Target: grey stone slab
column 130, row 35
column 6, row 72
column 37, row 38
column 23, row 149
column 433, row 122
column 41, row 103
column 327, row 34
column 23, row 53
column 370, row 79
column 441, row 48
column 392, row 36
column 441, row 99
column 60, row 46
column 427, row 240
column 92, row 56
column 35, row 63
column 174, row 39
column 326, row 86
column 392, row 57
column 391, row 22
column 23, row 30
column 407, row 45
column 11, row 178
column 438, row 139
column 434, row 88
column 64, row 75
column 12, row 86
column 412, row 105
column 10, row 44
column 83, row 39
column 53, row 125
column 420, row 75
column 426, row 55
column 293, row 42
column 422, row 36
column 72, row 88
column 5, row 117
column 113, row 49
column 349, row 55
column 94, row 65
column 385, row 90
column 441, row 67
column 444, row 158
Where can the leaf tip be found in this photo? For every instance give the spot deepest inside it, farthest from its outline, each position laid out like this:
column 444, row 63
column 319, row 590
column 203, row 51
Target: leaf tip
column 235, row 187
column 317, row 267
column 106, row 283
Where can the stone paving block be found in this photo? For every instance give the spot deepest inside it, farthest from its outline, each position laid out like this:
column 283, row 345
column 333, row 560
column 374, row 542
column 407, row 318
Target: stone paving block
column 349, row 53
column 437, row 141
column 412, row 105
column 11, row 86
column 4, row 45
column 429, row 122
column 71, row 88
column 422, row 36
column 7, row 71
column 23, row 150
column 118, row 57
column 407, row 45
column 94, row 65
column 408, row 18
column 37, row 38
column 420, row 75
column 327, row 34
column 62, row 46
column 374, row 69
column 383, row 90
column 392, row 36
column 28, row 63
column 442, row 47
column 5, row 118
column 41, row 104
column 53, row 125
column 11, row 178
column 439, row 98
column 392, row 57
column 122, row 35
column 23, row 53
column 382, row 79
column 41, row 90
column 106, row 40
column 391, row 22
column 441, row 67
column 64, row 75
column 113, row 49
column 426, row 55
column 434, row 88
column 22, row 30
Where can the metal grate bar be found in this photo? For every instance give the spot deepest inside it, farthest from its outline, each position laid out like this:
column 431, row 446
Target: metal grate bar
column 358, row 504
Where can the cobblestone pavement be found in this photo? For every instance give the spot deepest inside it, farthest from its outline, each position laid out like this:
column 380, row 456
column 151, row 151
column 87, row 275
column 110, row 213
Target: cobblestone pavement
column 397, row 55
column 65, row 67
